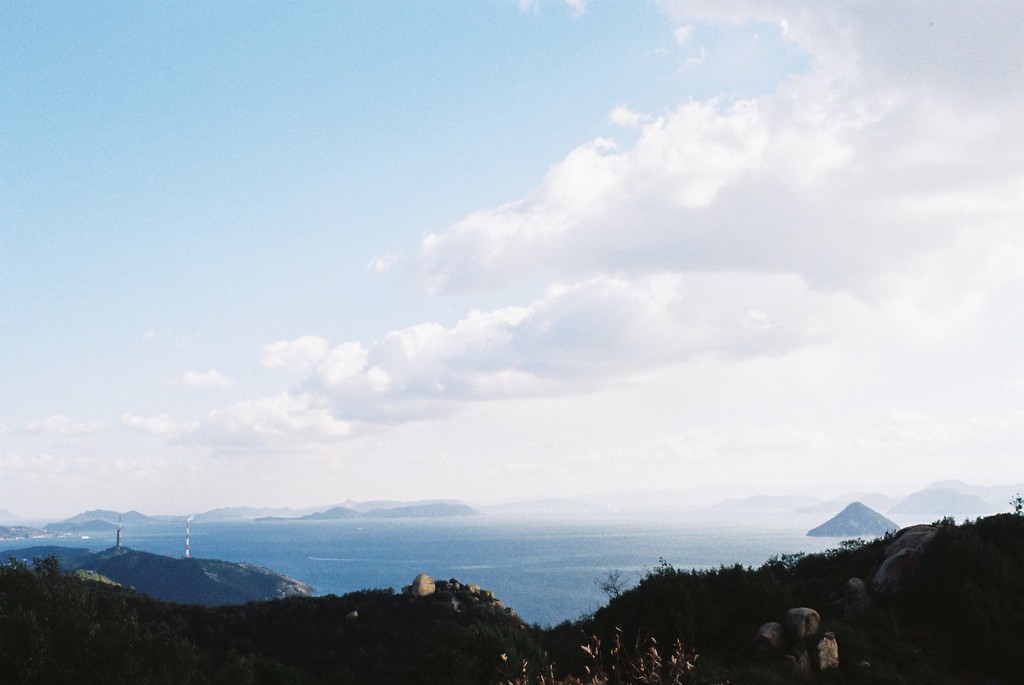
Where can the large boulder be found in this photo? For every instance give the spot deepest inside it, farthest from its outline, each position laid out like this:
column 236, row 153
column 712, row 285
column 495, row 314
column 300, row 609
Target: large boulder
column 802, row 623
column 914, row 537
column 769, row 640
column 902, row 558
column 422, row 585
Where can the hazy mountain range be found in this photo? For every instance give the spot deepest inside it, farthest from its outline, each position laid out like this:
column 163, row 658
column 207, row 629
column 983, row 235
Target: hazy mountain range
column 942, row 498
column 98, row 520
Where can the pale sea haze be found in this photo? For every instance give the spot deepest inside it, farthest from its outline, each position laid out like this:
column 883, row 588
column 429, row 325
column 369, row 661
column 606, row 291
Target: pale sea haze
column 545, row 568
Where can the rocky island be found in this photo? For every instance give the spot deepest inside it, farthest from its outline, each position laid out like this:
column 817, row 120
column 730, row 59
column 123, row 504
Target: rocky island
column 856, row 520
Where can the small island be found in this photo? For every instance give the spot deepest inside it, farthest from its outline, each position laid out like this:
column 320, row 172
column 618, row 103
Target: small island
column 856, row 520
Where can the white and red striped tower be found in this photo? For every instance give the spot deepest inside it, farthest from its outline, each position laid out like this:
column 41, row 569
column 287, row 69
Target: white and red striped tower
column 188, row 523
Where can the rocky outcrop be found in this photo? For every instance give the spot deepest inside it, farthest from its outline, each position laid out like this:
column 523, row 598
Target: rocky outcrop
column 802, row 623
column 422, row 585
column 769, row 640
column 915, row 538
column 457, row 595
column 798, row 646
column 826, row 653
column 902, row 558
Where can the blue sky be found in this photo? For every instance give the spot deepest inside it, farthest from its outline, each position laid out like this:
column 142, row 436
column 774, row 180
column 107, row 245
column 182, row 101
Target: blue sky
column 272, row 254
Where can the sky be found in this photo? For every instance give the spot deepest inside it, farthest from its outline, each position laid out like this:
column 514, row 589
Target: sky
column 289, row 254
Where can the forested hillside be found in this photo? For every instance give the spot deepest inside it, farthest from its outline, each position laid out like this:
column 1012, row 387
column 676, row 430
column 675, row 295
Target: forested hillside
column 931, row 604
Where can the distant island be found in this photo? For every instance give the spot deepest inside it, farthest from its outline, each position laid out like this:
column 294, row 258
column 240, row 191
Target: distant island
column 421, row 510
column 856, row 520
column 20, row 532
column 942, row 498
column 105, row 520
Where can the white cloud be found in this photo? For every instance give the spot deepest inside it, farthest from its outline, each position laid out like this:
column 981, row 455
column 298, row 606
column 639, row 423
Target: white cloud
column 601, row 209
column 623, row 116
column 383, row 263
column 914, row 45
column 284, row 422
column 161, row 425
column 35, row 465
column 342, row 364
column 62, row 425
column 294, row 355
column 831, row 177
column 575, row 337
column 742, row 291
column 211, row 378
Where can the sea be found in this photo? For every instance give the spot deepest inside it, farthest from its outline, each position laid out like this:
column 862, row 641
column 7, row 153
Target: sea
column 546, row 568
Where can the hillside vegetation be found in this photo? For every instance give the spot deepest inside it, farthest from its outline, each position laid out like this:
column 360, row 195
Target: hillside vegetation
column 937, row 604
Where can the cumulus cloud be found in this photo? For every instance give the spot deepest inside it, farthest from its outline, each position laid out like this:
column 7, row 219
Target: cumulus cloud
column 294, row 355
column 212, row 378
column 576, row 336
column 36, row 464
column 62, row 425
column 830, row 177
column 623, row 116
column 868, row 207
column 161, row 425
column 603, row 209
column 284, row 421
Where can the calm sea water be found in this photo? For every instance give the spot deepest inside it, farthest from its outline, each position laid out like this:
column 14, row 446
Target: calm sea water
column 545, row 569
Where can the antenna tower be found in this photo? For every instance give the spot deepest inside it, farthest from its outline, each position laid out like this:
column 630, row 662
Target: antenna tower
column 118, row 546
column 188, row 523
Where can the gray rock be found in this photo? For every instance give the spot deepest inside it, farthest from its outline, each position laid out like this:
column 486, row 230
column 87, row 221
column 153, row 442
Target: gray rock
column 802, row 623
column 351, row 616
column 769, row 639
column 826, row 653
column 856, row 599
column 422, row 585
column 902, row 558
column 894, row 572
column 914, row 537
